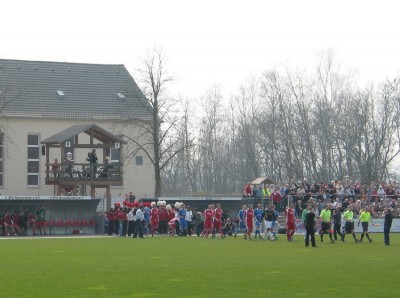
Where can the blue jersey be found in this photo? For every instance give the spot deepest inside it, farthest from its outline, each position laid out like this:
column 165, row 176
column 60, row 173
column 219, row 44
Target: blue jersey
column 146, row 213
column 182, row 214
column 258, row 213
column 241, row 214
column 182, row 219
column 276, row 215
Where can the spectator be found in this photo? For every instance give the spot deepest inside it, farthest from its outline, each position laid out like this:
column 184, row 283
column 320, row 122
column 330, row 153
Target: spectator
column 55, row 168
column 31, row 221
column 189, row 218
column 277, row 199
column 131, row 222
column 199, row 222
column 248, row 190
column 23, row 223
column 139, row 223
column 266, row 192
column 8, row 224
column 41, row 220
column 106, row 169
column 16, row 223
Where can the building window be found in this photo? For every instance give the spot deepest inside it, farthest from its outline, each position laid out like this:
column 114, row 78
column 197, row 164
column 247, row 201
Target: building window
column 139, row 160
column 1, row 159
column 33, row 160
column 114, row 155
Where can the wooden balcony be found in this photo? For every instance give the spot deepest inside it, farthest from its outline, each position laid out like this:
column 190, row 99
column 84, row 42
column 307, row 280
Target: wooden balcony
column 82, row 174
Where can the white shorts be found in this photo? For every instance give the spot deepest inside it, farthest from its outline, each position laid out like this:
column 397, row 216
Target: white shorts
column 268, row 224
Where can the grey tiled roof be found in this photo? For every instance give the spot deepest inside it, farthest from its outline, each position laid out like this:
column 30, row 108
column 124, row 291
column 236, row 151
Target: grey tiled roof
column 98, row 132
column 29, row 89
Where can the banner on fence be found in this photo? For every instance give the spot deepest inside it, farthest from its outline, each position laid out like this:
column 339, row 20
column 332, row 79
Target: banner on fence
column 36, row 198
column 377, row 227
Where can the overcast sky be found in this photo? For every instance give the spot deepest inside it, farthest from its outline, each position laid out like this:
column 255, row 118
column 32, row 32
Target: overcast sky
column 208, row 42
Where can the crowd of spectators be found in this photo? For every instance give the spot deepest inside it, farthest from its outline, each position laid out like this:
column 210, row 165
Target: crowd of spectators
column 378, row 196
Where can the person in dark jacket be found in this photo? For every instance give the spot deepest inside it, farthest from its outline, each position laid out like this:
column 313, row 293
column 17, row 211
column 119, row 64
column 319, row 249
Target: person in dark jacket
column 310, row 219
column 387, row 225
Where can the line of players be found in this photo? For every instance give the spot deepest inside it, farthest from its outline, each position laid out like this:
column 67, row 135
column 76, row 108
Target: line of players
column 213, row 221
column 249, row 220
column 330, row 223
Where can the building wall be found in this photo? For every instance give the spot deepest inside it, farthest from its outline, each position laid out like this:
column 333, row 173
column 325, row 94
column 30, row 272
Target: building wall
column 137, row 179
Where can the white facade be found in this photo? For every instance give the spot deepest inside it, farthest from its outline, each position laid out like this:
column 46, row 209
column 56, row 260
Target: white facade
column 138, row 179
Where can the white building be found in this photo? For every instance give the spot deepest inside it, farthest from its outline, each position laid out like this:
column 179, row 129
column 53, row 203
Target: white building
column 38, row 100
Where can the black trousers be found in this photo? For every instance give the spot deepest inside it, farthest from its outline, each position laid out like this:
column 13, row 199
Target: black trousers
column 189, row 228
column 124, row 227
column 386, row 230
column 336, row 230
column 138, row 229
column 131, row 227
column 162, row 227
column 199, row 228
column 310, row 233
column 111, row 224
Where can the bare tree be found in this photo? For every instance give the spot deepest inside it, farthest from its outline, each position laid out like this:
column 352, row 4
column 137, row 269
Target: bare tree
column 294, row 125
column 9, row 94
column 157, row 138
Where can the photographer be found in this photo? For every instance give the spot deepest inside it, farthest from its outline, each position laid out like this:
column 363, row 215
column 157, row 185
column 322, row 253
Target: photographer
column 228, row 227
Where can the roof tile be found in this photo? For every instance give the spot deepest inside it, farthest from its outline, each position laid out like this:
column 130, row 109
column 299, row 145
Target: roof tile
column 28, row 89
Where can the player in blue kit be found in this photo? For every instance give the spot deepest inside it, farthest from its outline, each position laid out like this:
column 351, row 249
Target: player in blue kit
column 146, row 213
column 182, row 220
column 258, row 214
column 242, row 223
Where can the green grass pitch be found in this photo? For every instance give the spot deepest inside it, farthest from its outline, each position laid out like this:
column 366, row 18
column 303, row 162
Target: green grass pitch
column 197, row 267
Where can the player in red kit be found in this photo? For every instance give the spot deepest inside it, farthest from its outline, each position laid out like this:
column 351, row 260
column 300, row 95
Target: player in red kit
column 163, row 216
column 154, row 218
column 218, row 220
column 32, row 222
column 249, row 220
column 208, row 221
column 171, row 218
column 16, row 223
column 213, row 219
column 290, row 215
column 8, row 224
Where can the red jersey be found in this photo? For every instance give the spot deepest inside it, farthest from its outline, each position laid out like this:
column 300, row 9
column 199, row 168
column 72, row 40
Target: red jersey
column 162, row 214
column 171, row 215
column 218, row 218
column 248, row 190
column 111, row 216
column 208, row 215
column 218, row 214
column 7, row 219
column 15, row 219
column 276, row 197
column 290, row 215
column 249, row 215
column 121, row 215
column 154, row 215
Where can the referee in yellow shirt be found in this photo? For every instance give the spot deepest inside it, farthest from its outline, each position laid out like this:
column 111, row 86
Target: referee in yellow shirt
column 326, row 217
column 348, row 216
column 364, row 218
